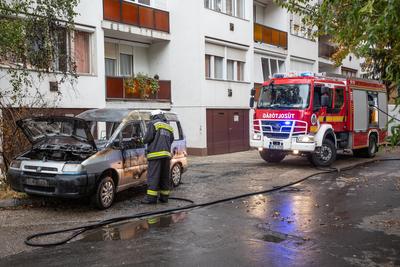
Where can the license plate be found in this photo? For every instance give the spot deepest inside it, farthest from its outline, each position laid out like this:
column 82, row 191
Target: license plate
column 276, row 145
column 37, row 182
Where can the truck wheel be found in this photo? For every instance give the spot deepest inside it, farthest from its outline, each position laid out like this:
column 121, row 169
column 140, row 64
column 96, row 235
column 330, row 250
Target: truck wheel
column 272, row 156
column 176, row 175
column 368, row 152
column 325, row 156
column 105, row 193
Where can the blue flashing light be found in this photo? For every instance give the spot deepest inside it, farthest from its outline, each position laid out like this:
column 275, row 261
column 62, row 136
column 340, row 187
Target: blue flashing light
column 279, row 75
column 306, row 74
column 288, row 123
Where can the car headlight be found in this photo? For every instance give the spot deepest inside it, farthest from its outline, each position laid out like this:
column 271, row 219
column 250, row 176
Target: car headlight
column 256, row 136
column 305, row 139
column 15, row 164
column 73, row 168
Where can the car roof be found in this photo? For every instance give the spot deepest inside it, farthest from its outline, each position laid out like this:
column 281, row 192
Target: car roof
column 119, row 114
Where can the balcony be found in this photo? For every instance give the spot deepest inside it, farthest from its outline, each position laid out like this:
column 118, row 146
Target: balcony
column 271, row 36
column 125, row 12
column 115, row 90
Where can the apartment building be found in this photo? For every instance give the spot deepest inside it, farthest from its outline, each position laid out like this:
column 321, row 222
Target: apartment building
column 207, row 55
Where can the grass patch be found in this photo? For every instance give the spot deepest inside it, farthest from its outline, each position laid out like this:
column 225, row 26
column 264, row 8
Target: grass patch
column 6, row 192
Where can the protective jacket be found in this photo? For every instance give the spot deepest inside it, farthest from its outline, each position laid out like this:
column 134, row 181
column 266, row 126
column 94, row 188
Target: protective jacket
column 159, row 137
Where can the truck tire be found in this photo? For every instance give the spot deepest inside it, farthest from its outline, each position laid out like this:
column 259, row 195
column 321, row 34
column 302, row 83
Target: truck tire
column 104, row 196
column 272, row 156
column 368, row 152
column 326, row 155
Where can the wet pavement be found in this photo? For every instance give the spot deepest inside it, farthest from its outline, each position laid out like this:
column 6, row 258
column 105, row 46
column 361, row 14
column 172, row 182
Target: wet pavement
column 350, row 219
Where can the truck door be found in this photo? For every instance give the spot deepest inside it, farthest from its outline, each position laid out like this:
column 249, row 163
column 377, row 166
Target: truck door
column 335, row 112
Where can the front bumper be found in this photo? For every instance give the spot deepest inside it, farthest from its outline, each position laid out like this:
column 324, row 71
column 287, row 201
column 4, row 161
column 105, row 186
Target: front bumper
column 289, row 144
column 54, row 185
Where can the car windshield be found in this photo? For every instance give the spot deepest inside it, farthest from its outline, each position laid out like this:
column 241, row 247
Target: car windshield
column 102, row 131
column 285, row 96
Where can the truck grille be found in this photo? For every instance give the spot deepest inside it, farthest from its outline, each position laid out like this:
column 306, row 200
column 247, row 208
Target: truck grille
column 280, row 129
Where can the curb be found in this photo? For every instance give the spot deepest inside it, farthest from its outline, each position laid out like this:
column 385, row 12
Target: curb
column 15, row 202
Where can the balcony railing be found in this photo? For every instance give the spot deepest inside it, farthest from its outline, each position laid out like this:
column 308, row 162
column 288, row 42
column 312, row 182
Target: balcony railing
column 267, row 35
column 326, row 50
column 115, row 87
column 136, row 15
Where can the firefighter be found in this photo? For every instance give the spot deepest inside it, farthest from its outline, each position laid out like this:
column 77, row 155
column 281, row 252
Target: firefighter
column 159, row 137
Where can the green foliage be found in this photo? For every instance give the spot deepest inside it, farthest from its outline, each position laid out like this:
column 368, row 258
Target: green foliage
column 33, row 36
column 369, row 29
column 142, row 84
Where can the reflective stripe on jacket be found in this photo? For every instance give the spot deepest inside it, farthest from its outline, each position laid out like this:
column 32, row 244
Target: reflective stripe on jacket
column 159, row 138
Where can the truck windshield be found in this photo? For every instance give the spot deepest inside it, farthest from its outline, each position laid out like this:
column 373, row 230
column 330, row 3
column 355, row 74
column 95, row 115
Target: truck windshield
column 284, row 96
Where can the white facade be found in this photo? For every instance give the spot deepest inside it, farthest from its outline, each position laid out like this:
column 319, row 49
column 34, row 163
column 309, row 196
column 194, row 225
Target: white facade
column 208, row 55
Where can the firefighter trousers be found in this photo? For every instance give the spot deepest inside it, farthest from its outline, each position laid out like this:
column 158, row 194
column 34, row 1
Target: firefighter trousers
column 158, row 178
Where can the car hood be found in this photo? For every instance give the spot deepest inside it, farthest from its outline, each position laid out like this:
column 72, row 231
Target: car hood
column 39, row 129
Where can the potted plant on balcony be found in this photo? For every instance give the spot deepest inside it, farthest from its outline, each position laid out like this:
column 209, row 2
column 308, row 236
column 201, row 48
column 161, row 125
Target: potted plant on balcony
column 141, row 86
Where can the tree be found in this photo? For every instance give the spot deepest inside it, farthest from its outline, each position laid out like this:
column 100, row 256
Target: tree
column 367, row 28
column 33, row 46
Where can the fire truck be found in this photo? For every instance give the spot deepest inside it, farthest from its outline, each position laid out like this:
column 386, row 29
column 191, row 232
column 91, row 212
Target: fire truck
column 318, row 115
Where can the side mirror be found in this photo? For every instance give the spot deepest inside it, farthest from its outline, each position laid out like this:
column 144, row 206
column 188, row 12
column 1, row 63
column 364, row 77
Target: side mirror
column 252, row 102
column 253, row 92
column 325, row 101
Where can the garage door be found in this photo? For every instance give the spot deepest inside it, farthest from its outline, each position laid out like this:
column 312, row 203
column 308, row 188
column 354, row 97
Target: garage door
column 227, row 130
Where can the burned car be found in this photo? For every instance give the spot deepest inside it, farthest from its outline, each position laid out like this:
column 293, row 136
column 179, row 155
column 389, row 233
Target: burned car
column 96, row 154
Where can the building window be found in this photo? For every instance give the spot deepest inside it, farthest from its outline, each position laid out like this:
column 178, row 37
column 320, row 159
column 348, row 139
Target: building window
column 349, row 72
column 218, row 5
column 229, row 7
column 110, row 67
column 208, row 66
column 218, row 67
column 144, row 2
column 298, row 28
column 240, row 8
column 126, row 64
column 240, row 71
column 82, row 51
column 230, row 66
column 271, row 66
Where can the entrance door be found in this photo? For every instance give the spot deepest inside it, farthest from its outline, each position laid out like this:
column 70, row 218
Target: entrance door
column 227, row 131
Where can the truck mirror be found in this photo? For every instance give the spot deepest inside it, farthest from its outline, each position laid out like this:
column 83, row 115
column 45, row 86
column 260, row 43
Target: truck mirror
column 325, row 101
column 252, row 102
column 253, row 92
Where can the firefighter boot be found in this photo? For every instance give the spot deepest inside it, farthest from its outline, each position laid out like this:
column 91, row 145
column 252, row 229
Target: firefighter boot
column 148, row 199
column 164, row 196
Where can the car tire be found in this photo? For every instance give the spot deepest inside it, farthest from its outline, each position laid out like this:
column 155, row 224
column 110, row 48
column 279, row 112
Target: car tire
column 272, row 156
column 368, row 152
column 176, row 175
column 104, row 196
column 326, row 156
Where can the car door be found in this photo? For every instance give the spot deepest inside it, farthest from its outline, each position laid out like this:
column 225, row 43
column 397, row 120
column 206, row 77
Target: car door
column 132, row 153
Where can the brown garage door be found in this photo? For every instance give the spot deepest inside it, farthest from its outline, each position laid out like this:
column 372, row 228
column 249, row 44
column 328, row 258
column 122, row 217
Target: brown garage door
column 227, row 130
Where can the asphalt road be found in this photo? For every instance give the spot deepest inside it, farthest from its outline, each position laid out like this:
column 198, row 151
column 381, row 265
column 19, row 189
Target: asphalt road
column 244, row 225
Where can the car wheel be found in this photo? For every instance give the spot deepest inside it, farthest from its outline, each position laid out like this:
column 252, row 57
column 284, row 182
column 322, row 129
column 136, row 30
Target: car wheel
column 272, row 156
column 325, row 155
column 176, row 175
column 105, row 193
column 368, row 152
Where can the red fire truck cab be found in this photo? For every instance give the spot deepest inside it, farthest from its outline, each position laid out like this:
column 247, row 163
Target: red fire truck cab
column 317, row 115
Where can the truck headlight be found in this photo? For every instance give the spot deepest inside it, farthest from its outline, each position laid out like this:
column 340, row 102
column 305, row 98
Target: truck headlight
column 15, row 164
column 73, row 168
column 305, row 139
column 256, row 136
